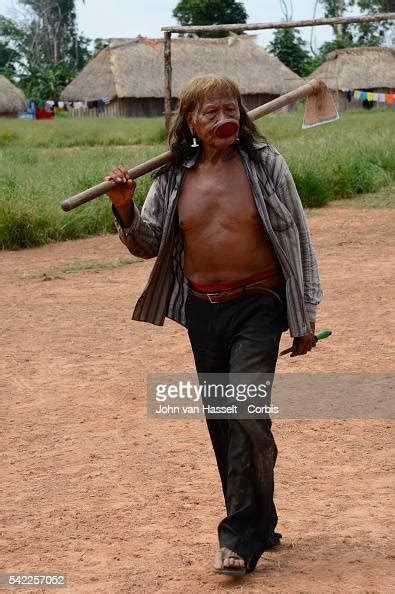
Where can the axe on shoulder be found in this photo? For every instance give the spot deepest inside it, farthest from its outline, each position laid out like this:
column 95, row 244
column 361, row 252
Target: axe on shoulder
column 319, row 109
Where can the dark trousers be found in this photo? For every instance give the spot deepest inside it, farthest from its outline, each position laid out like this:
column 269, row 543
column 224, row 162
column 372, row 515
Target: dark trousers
column 241, row 336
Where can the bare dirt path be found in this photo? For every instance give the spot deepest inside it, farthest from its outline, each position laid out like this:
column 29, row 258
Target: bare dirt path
column 120, row 503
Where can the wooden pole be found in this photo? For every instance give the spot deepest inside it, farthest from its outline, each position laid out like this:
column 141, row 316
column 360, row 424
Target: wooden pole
column 388, row 16
column 339, row 26
column 168, row 93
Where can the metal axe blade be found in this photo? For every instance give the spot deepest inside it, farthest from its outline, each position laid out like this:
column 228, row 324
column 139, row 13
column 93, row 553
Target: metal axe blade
column 320, row 108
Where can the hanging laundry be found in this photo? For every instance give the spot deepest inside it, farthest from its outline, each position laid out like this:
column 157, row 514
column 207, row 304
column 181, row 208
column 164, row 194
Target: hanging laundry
column 369, row 96
column 389, row 98
column 31, row 107
column 348, row 95
column 48, row 106
column 100, row 106
column 41, row 113
column 357, row 94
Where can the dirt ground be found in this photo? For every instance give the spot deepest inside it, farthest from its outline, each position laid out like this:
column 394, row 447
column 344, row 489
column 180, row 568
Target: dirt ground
column 121, row 503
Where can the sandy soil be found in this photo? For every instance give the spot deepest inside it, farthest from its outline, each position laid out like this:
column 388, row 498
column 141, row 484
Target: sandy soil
column 121, row 503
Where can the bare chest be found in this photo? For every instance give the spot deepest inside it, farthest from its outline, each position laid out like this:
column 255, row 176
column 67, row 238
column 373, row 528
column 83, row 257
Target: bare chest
column 223, row 195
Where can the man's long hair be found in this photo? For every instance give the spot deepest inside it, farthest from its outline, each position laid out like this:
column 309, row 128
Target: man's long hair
column 192, row 96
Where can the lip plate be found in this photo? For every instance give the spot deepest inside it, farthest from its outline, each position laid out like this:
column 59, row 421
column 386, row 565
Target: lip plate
column 225, row 129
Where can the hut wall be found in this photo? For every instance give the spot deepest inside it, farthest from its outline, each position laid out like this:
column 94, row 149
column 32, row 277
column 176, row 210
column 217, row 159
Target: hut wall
column 340, row 100
column 135, row 108
column 142, row 108
column 9, row 114
column 252, row 101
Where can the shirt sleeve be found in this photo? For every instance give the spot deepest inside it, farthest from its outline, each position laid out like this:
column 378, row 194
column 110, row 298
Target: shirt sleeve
column 287, row 192
column 143, row 236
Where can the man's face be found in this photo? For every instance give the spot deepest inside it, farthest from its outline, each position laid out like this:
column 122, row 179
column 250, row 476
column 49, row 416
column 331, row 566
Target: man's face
column 208, row 121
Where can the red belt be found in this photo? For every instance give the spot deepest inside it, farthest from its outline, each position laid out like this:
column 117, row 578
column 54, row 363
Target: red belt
column 260, row 286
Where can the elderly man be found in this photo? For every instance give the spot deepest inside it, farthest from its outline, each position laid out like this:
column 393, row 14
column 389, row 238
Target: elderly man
column 236, row 266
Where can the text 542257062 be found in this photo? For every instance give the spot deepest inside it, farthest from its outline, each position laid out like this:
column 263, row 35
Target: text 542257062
column 20, row 580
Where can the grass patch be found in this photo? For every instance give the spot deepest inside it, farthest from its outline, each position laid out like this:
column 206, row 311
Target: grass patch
column 384, row 198
column 33, row 183
column 354, row 155
column 75, row 132
column 77, row 266
column 44, row 162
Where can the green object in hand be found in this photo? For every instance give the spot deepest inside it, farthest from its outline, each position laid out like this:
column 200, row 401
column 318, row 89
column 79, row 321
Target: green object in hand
column 319, row 336
column 323, row 334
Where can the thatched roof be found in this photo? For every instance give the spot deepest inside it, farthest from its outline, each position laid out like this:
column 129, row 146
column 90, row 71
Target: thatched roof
column 134, row 68
column 11, row 98
column 358, row 68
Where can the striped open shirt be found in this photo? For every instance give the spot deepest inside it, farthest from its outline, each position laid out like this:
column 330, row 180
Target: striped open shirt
column 156, row 233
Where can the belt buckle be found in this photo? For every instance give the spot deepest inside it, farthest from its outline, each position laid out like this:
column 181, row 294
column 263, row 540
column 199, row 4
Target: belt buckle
column 209, row 295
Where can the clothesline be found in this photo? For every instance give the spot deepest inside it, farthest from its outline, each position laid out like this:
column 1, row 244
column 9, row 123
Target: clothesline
column 371, row 96
column 40, row 109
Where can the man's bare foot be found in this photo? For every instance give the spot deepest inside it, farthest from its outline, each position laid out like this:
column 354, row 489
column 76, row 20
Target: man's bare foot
column 229, row 563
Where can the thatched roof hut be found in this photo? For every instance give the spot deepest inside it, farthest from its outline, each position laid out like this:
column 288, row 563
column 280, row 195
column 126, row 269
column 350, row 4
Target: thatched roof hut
column 364, row 68
column 128, row 73
column 12, row 99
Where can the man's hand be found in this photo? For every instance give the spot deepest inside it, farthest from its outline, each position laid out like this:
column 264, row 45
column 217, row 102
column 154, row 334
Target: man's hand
column 304, row 344
column 122, row 194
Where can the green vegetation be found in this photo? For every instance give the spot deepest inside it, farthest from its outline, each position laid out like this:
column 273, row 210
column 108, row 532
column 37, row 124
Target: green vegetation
column 210, row 12
column 84, row 132
column 384, row 198
column 41, row 49
column 289, row 46
column 44, row 162
column 351, row 156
